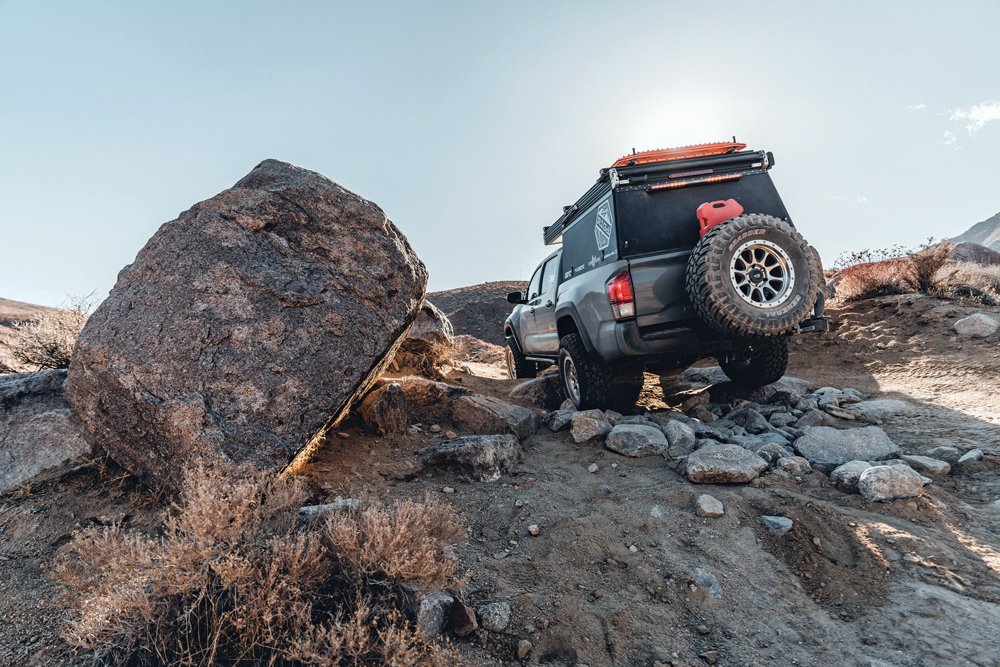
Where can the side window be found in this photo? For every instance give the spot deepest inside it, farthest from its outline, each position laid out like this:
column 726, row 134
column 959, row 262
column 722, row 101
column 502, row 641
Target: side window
column 534, row 285
column 550, row 276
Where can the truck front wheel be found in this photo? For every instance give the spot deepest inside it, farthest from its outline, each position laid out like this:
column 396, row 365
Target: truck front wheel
column 585, row 380
column 517, row 365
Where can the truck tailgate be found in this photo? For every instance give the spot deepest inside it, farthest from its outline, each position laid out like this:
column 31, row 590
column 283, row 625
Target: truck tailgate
column 658, row 283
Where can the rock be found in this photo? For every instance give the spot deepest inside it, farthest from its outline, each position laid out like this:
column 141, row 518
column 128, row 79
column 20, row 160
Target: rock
column 970, row 461
column 384, row 411
column 636, row 440
column 846, row 476
column 680, row 436
column 38, row 430
column 567, row 405
column 463, row 619
column 749, row 419
column 428, row 343
column 524, row 648
column 475, row 413
column 779, row 525
column 560, row 419
column 432, row 612
column 427, row 400
column 796, row 465
column 546, row 391
column 881, row 483
column 878, row 410
column 693, row 401
column 338, row 505
column 971, row 456
column 245, row 328
column 708, row 506
column 703, row 414
column 708, row 581
column 534, row 530
column 589, row 424
column 483, row 457
column 723, row 464
column 779, row 419
column 977, row 325
column 927, row 464
column 593, row 468
column 772, row 452
column 816, row 417
column 945, row 453
column 826, row 448
column 494, row 616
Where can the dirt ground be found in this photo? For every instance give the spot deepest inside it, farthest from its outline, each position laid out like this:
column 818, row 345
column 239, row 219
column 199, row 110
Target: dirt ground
column 623, row 572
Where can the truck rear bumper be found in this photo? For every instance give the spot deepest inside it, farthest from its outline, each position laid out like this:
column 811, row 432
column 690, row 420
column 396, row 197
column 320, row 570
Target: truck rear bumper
column 632, row 343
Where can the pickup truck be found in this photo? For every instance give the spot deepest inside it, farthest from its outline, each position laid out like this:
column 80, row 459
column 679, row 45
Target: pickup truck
column 672, row 256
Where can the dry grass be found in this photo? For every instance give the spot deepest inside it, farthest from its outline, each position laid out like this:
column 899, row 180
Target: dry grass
column 235, row 579
column 47, row 343
column 870, row 273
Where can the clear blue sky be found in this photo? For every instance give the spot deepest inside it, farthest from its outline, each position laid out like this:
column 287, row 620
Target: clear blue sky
column 472, row 123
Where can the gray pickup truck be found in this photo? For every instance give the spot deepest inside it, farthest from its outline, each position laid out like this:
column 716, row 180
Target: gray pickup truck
column 673, row 256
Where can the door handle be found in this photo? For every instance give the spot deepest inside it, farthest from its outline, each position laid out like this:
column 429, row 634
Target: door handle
column 549, row 304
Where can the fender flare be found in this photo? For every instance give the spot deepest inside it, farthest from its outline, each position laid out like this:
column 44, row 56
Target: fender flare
column 569, row 310
column 510, row 331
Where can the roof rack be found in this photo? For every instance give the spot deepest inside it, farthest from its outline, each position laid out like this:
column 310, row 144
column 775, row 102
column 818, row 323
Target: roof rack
column 680, row 153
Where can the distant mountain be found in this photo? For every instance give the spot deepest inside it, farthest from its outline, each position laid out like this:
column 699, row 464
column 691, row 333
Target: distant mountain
column 985, row 233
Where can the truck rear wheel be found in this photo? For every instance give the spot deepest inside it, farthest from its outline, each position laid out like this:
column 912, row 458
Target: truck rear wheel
column 753, row 276
column 517, row 365
column 759, row 365
column 586, row 380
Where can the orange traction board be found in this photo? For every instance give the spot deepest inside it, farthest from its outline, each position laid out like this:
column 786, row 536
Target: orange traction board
column 684, row 152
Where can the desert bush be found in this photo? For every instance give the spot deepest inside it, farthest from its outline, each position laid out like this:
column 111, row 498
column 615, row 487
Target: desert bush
column 925, row 264
column 870, row 273
column 975, row 282
column 47, row 342
column 236, row 579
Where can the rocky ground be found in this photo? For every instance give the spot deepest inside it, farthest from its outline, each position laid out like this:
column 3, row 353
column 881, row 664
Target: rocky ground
column 605, row 558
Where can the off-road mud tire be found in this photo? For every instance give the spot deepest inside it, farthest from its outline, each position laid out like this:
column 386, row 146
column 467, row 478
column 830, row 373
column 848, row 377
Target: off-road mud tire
column 767, row 363
column 714, row 294
column 517, row 366
column 594, row 378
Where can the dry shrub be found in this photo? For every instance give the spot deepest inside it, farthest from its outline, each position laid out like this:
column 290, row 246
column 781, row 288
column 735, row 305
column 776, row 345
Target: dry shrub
column 235, row 579
column 870, row 273
column 975, row 282
column 47, row 342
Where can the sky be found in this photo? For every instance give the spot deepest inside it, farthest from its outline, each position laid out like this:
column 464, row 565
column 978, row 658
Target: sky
column 472, row 123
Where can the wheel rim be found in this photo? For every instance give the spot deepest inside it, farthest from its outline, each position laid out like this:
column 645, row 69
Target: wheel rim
column 509, row 358
column 571, row 379
column 762, row 274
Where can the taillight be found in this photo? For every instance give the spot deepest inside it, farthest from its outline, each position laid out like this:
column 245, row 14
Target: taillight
column 621, row 296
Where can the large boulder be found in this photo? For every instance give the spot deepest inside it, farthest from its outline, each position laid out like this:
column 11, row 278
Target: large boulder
column 37, row 427
column 246, row 326
column 977, row 325
column 428, row 343
column 826, row 448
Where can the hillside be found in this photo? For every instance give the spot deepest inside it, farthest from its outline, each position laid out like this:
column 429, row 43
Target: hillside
column 986, row 233
column 478, row 310
column 11, row 312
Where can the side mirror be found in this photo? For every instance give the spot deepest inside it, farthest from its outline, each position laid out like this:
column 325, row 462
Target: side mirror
column 515, row 297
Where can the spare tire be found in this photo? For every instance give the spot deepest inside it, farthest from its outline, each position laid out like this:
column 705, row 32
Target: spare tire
column 753, row 276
